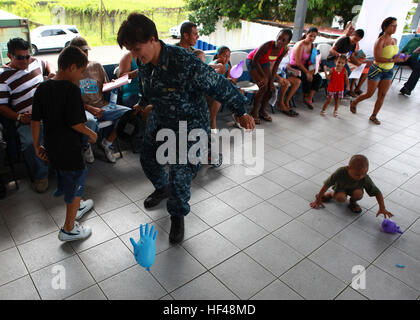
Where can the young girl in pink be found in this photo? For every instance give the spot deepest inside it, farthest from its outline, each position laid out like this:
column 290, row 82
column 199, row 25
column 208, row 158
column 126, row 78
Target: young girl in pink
column 338, row 77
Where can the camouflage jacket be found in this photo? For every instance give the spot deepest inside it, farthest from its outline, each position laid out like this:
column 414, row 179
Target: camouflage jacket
column 177, row 87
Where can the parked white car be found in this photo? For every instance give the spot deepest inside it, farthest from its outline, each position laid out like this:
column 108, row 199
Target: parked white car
column 175, row 32
column 52, row 37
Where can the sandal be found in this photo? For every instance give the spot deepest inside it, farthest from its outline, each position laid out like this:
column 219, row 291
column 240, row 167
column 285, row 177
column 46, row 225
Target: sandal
column 308, row 104
column 256, row 120
column 265, row 117
column 354, row 207
column 358, row 92
column 375, row 120
column 322, row 113
column 335, row 114
column 352, row 94
column 352, row 108
column 290, row 113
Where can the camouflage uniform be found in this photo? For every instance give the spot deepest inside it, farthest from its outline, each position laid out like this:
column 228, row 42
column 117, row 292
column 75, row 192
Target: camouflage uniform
column 176, row 88
column 190, row 49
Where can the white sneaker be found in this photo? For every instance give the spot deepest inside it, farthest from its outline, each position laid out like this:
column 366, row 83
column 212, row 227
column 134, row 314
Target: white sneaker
column 78, row 232
column 109, row 153
column 85, row 206
column 88, row 154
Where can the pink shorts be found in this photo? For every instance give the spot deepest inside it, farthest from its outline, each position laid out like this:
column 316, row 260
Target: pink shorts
column 336, row 94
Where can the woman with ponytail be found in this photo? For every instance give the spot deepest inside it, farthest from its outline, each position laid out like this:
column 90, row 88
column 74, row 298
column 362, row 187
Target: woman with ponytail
column 381, row 72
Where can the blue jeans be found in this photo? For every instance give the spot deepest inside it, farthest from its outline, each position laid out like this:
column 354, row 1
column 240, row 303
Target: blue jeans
column 378, row 74
column 111, row 113
column 130, row 100
column 71, row 184
column 38, row 167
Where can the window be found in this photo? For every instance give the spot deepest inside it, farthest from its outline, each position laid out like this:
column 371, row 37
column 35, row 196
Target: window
column 74, row 30
column 46, row 33
column 57, row 32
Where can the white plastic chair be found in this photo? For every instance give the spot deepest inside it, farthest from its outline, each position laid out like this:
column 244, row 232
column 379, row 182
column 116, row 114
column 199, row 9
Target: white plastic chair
column 238, row 56
column 324, row 50
column 235, row 58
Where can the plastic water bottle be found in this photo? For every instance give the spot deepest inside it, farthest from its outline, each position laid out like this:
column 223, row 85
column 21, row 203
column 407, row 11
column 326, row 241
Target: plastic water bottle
column 283, row 73
column 113, row 98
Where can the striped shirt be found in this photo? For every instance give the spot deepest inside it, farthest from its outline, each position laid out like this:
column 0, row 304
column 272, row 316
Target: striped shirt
column 17, row 87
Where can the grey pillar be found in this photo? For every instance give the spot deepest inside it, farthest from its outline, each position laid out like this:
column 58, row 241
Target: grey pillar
column 416, row 19
column 300, row 16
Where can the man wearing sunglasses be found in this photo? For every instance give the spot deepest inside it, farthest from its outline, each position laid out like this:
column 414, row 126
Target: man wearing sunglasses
column 18, row 82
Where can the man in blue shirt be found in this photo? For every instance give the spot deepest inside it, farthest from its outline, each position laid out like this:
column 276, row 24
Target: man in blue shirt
column 175, row 82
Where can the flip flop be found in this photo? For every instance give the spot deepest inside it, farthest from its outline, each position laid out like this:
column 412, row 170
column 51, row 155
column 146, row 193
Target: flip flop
column 354, row 207
column 256, row 120
column 375, row 120
column 265, row 117
column 290, row 113
column 309, row 105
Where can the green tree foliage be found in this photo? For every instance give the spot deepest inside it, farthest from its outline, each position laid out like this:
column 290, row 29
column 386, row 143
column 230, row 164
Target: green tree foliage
column 24, row 8
column 208, row 12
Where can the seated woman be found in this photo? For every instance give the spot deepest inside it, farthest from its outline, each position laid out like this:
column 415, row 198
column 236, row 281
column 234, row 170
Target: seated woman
column 258, row 64
column 285, row 83
column 300, row 59
column 130, row 92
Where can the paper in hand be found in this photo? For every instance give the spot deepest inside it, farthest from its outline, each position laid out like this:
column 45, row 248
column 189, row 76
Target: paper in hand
column 115, row 84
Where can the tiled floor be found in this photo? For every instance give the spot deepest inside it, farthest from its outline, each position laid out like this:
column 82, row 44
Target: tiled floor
column 247, row 237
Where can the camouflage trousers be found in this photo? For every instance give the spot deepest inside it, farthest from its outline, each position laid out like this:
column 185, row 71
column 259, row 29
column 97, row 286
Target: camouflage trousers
column 179, row 177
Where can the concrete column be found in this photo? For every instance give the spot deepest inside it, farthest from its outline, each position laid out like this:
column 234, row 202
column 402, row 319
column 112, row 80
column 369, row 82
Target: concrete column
column 416, row 19
column 300, row 16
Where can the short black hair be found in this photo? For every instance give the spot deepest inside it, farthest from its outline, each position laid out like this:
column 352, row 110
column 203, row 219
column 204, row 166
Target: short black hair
column 312, row 29
column 17, row 44
column 186, row 27
column 359, row 162
column 137, row 28
column 288, row 32
column 360, row 33
column 72, row 55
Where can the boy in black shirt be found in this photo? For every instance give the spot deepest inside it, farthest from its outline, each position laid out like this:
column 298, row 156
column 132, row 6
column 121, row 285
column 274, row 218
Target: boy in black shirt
column 58, row 103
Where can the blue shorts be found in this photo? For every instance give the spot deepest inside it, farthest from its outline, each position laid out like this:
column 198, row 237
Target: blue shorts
column 71, row 184
column 250, row 66
column 378, row 74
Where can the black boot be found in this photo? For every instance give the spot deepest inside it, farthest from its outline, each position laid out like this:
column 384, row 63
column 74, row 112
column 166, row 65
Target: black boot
column 176, row 234
column 156, row 197
column 404, row 91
